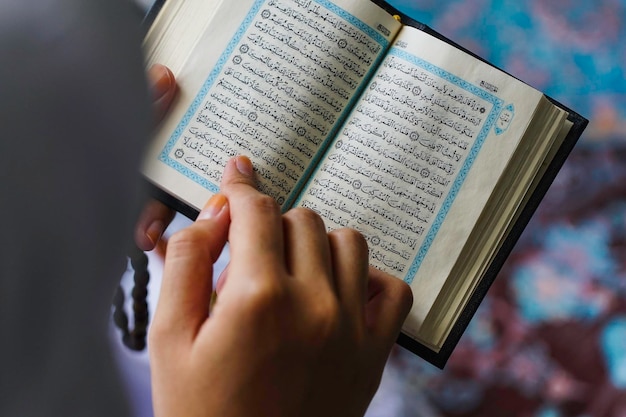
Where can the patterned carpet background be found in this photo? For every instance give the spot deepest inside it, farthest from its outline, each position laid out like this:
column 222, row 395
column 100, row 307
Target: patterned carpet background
column 550, row 339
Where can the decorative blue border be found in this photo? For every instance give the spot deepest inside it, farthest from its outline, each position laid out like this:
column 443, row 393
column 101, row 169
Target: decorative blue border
column 510, row 109
column 369, row 31
column 458, row 182
column 191, row 111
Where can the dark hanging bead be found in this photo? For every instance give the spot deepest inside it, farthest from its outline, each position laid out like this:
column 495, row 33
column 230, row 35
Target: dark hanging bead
column 135, row 343
column 142, row 279
column 135, row 339
column 139, row 293
column 121, row 319
column 141, row 317
column 118, row 297
column 139, row 260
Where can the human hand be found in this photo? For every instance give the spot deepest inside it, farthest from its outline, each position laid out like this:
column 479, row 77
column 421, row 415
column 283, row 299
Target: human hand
column 302, row 326
column 156, row 216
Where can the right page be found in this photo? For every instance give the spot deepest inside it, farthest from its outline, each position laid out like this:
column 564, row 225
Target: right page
column 432, row 166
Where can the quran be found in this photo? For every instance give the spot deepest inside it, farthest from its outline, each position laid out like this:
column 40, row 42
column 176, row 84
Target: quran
column 372, row 120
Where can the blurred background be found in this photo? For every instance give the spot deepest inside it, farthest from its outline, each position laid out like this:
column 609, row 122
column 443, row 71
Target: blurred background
column 550, row 338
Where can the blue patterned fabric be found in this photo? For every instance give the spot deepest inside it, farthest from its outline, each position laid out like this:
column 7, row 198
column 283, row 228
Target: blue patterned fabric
column 572, row 50
column 550, row 339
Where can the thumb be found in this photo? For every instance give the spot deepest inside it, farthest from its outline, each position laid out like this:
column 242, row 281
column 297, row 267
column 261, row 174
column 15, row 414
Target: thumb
column 188, row 272
column 163, row 86
column 238, row 175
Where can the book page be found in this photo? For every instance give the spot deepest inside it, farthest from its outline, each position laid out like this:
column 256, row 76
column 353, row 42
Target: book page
column 418, row 158
column 270, row 79
column 522, row 176
column 176, row 30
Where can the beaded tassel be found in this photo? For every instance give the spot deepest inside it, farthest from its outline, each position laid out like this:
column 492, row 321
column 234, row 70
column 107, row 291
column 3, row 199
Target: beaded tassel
column 134, row 339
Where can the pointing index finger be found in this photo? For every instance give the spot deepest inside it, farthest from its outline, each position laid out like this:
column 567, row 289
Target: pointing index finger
column 256, row 231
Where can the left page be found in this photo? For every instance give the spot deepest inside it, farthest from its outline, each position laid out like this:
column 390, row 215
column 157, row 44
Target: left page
column 270, row 79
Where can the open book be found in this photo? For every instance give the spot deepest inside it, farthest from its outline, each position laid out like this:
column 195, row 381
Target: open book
column 370, row 119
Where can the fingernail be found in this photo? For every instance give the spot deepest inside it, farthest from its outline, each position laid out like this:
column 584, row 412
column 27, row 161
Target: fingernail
column 155, row 231
column 161, row 79
column 244, row 165
column 213, row 207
